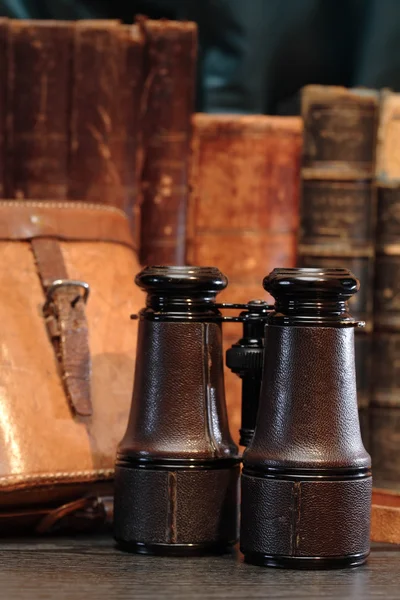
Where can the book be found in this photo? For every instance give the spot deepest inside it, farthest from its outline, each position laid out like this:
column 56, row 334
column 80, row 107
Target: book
column 97, row 140
column 385, row 399
column 4, row 31
column 38, row 85
column 129, row 119
column 338, row 202
column 170, row 53
column 243, row 209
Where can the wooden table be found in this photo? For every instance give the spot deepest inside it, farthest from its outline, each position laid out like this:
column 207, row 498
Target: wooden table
column 91, row 567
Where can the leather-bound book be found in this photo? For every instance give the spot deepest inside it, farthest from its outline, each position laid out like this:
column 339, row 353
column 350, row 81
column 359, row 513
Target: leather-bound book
column 338, row 201
column 385, row 400
column 4, row 31
column 38, row 87
column 97, row 135
column 168, row 99
column 129, row 119
column 243, row 208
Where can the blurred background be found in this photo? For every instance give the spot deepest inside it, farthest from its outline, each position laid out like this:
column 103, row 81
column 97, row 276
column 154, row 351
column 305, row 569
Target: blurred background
column 255, row 55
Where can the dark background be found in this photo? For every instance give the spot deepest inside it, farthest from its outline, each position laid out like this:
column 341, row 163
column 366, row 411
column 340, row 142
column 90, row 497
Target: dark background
column 255, row 55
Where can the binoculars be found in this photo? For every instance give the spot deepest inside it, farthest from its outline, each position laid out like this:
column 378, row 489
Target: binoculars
column 306, row 477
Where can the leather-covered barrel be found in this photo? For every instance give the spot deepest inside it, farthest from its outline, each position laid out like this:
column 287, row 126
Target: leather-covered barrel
column 306, row 480
column 176, row 487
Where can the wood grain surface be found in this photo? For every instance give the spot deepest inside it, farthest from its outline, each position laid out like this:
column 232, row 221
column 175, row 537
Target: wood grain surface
column 91, row 567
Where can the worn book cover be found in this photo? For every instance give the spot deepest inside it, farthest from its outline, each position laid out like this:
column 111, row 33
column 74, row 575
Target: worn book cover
column 170, row 54
column 385, row 400
column 4, row 33
column 129, row 117
column 338, row 200
column 97, row 144
column 243, row 208
column 38, row 89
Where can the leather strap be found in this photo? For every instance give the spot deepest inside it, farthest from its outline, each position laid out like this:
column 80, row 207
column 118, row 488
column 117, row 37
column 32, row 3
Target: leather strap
column 64, row 313
column 385, row 516
column 88, row 513
column 45, row 223
column 69, row 221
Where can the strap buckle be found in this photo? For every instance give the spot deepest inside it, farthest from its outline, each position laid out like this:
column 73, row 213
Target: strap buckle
column 60, row 283
column 89, row 511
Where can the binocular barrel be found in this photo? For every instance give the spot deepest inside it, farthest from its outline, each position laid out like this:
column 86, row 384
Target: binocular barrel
column 177, row 469
column 306, row 479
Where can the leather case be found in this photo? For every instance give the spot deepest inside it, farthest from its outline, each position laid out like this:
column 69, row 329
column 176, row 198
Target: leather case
column 66, row 360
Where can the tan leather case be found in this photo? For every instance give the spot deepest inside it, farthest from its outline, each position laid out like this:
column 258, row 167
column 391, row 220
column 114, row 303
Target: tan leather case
column 49, row 454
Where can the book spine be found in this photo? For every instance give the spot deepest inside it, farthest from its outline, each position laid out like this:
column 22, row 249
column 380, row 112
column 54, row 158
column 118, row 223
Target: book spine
column 38, row 84
column 243, row 208
column 168, row 99
column 338, row 202
column 339, row 131
column 97, row 140
column 129, row 119
column 385, row 401
column 4, row 33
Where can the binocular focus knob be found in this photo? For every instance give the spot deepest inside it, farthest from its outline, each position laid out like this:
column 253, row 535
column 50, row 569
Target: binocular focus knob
column 241, row 359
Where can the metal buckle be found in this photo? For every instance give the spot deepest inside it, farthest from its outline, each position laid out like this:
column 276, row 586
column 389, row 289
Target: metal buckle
column 59, row 283
column 92, row 510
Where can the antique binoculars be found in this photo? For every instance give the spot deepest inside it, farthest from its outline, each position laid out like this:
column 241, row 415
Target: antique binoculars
column 306, row 477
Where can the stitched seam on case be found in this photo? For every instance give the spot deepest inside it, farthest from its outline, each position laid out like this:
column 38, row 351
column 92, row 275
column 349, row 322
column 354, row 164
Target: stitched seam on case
column 295, row 520
column 54, row 477
column 207, row 379
column 62, row 204
column 172, row 507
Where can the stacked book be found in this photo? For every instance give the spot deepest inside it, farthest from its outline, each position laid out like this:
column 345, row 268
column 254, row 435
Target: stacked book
column 385, row 395
column 338, row 202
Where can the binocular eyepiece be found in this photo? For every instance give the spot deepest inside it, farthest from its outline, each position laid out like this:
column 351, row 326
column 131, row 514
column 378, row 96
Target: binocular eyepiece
column 306, row 479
